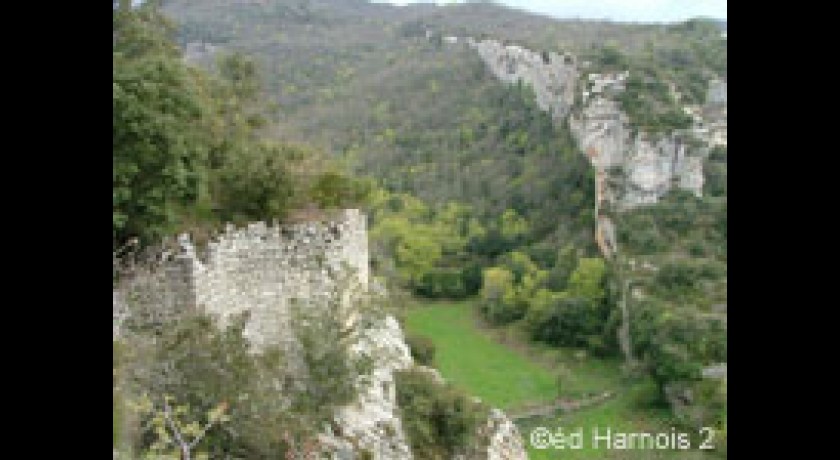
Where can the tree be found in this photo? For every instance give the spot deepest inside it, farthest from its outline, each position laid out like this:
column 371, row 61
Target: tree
column 587, row 281
column 159, row 112
column 499, row 297
column 335, row 190
column 439, row 419
column 565, row 264
column 519, row 264
column 512, row 225
column 257, row 184
column 177, row 438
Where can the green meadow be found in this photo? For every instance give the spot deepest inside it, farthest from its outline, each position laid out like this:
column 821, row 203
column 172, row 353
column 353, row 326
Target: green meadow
column 503, row 369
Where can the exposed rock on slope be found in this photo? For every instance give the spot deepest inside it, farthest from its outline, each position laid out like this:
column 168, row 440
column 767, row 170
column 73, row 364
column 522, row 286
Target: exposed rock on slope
column 632, row 168
column 639, row 169
column 505, row 439
column 551, row 75
column 372, row 423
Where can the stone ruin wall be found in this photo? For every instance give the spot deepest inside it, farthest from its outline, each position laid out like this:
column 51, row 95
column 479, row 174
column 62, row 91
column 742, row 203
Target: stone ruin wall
column 264, row 269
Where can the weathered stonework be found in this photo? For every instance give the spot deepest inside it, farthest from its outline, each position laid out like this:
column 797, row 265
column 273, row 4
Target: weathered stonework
column 266, row 270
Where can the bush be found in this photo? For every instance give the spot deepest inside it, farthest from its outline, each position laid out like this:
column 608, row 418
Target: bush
column 256, row 185
column 471, row 277
column 441, row 283
column 504, row 312
column 334, row 190
column 439, row 420
column 564, row 321
column 422, row 349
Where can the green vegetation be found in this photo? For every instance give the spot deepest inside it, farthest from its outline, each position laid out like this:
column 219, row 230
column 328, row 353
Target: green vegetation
column 500, row 365
column 513, row 373
column 649, row 105
column 672, row 68
column 679, row 270
column 196, row 363
column 422, row 349
column 714, row 169
column 187, row 144
column 632, row 411
column 466, row 169
column 470, row 359
column 472, row 193
column 581, row 315
column 160, row 117
column 188, row 155
column 440, row 420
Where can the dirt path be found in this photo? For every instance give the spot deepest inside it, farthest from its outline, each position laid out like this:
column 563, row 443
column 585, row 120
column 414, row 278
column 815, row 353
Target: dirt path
column 563, row 405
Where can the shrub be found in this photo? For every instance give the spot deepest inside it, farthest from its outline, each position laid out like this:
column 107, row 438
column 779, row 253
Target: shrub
column 439, row 420
column 257, row 185
column 563, row 321
column 441, row 283
column 334, row 190
column 422, row 349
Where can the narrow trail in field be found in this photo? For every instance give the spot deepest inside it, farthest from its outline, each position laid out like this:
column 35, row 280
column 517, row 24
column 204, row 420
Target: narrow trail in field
column 564, row 405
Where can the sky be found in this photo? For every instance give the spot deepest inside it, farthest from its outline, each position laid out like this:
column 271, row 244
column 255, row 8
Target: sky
column 615, row 10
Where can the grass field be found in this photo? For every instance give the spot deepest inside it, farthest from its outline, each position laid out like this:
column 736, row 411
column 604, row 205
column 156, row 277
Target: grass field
column 505, row 370
column 470, row 359
column 497, row 366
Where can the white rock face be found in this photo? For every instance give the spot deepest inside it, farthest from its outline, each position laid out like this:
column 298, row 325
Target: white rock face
column 372, row 422
column 551, row 75
column 505, row 439
column 632, row 169
column 716, row 93
column 650, row 168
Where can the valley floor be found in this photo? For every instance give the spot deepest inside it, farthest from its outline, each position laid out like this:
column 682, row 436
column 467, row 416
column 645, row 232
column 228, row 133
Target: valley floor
column 505, row 370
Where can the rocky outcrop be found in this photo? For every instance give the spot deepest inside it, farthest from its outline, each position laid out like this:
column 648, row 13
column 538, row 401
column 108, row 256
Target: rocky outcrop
column 632, row 168
column 715, row 372
column 505, row 441
column 716, row 94
column 372, row 423
column 552, row 76
column 638, row 168
column 372, row 426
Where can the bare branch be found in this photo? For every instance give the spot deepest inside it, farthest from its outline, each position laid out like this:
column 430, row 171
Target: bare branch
column 167, row 414
column 201, row 435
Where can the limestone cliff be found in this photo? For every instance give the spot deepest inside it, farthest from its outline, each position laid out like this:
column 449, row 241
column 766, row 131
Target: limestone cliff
column 638, row 169
column 632, row 168
column 552, row 76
